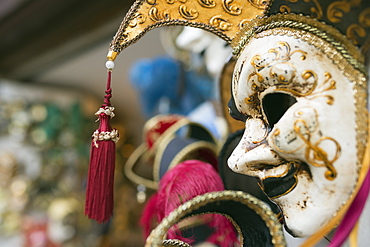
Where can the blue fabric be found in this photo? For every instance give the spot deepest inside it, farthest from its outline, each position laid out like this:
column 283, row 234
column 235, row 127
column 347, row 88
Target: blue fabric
column 164, row 78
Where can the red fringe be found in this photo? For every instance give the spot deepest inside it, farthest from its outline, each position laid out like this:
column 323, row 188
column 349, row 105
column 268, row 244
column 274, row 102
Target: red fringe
column 100, row 182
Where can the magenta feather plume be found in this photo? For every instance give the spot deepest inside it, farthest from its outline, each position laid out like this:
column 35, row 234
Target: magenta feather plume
column 180, row 184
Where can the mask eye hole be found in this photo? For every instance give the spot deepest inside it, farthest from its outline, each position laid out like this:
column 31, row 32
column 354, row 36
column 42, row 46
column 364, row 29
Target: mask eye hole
column 275, row 105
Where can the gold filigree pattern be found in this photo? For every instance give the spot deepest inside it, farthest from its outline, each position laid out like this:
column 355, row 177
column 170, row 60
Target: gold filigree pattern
column 230, row 8
column 364, row 18
column 156, row 15
column 260, row 4
column 151, row 2
column 137, row 20
column 317, row 11
column 282, row 74
column 221, row 17
column 298, row 23
column 354, row 32
column 173, row 1
column 285, row 9
column 220, row 23
column 314, row 154
column 207, row 3
column 337, row 9
column 189, row 14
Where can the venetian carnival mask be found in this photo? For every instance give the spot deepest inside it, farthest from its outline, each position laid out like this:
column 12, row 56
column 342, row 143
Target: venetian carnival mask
column 299, row 84
column 300, row 128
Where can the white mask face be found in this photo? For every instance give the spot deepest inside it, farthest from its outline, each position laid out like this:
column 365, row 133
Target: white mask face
column 300, row 129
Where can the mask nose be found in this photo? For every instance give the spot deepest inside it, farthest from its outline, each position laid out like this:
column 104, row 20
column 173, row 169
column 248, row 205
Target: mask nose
column 252, row 150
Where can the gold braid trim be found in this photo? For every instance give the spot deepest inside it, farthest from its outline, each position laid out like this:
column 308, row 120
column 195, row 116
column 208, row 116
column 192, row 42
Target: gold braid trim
column 159, row 233
column 174, row 243
column 299, row 22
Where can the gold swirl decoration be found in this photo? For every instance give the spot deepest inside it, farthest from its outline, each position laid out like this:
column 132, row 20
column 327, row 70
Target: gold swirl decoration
column 207, row 3
column 173, row 1
column 151, row 2
column 285, row 9
column 137, row 20
column 156, row 15
column 221, row 17
column 317, row 10
column 315, row 155
column 337, row 9
column 189, row 14
column 218, row 22
column 356, row 31
column 364, row 18
column 230, row 8
column 260, row 4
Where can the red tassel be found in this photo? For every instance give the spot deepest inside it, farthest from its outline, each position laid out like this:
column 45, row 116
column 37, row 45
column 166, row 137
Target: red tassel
column 100, row 181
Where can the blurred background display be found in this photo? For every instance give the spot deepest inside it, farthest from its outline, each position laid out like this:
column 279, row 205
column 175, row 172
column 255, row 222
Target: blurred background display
column 52, row 81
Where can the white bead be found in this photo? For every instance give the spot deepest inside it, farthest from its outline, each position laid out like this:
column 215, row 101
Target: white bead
column 109, row 64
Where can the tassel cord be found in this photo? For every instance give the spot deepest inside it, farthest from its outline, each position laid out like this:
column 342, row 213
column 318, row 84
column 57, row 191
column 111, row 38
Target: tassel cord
column 108, row 91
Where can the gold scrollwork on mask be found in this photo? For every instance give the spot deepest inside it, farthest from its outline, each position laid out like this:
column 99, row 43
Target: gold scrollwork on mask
column 260, row 4
column 316, row 11
column 364, row 18
column 242, row 23
column 282, row 54
column 189, row 14
column 354, row 31
column 151, row 2
column 283, row 74
column 304, row 129
column 312, row 93
column 155, row 15
column 274, row 68
column 219, row 22
column 285, row 9
column 207, row 3
column 137, row 20
column 230, row 8
column 338, row 8
column 173, row 1
column 314, row 154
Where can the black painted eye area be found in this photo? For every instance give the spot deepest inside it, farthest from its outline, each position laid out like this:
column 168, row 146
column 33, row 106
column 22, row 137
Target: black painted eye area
column 275, row 105
column 234, row 113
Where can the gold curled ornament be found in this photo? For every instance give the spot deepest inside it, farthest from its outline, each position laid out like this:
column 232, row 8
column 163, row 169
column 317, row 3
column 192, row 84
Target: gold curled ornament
column 221, row 17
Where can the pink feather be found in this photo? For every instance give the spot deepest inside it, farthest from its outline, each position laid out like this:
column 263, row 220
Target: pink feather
column 180, row 184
